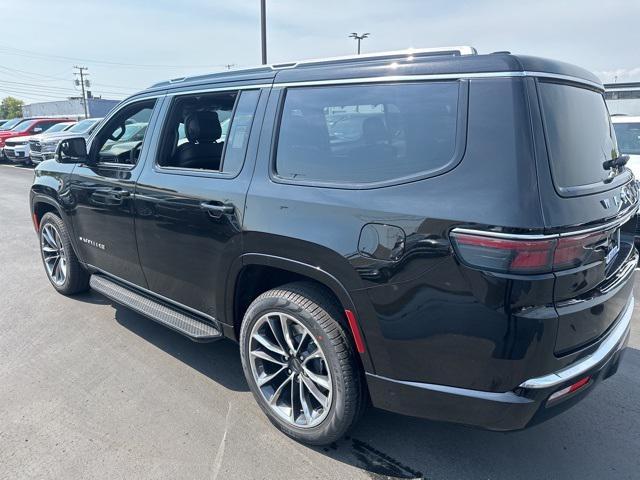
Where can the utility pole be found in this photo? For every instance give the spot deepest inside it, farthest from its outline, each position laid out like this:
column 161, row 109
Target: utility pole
column 80, row 72
column 263, row 30
column 359, row 38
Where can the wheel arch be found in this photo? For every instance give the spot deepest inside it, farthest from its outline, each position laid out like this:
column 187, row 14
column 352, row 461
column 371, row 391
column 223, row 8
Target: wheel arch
column 280, row 271
column 41, row 204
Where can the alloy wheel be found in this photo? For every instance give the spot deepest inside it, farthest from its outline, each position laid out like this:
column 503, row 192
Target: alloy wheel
column 53, row 254
column 290, row 370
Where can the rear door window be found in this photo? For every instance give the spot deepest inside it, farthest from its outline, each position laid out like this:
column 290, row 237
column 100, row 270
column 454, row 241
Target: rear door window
column 580, row 137
column 366, row 134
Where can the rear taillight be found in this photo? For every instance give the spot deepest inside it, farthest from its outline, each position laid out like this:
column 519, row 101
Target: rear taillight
column 513, row 255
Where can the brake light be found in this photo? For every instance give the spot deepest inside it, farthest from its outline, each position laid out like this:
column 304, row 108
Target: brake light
column 526, row 255
column 575, row 250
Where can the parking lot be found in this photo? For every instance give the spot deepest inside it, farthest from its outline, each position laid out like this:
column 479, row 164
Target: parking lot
column 89, row 389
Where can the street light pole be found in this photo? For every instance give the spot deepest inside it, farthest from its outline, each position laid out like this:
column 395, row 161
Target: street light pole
column 263, row 30
column 359, row 38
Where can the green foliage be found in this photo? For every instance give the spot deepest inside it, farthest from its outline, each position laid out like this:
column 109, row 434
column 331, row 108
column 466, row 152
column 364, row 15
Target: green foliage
column 11, row 107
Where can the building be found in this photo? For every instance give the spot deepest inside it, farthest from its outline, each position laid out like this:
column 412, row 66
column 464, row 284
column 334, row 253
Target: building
column 72, row 108
column 623, row 98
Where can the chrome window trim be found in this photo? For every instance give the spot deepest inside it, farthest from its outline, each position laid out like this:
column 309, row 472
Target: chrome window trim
column 440, row 76
column 228, row 88
column 385, row 78
column 608, row 345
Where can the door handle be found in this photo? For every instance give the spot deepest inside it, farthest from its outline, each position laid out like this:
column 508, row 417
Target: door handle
column 119, row 194
column 217, row 210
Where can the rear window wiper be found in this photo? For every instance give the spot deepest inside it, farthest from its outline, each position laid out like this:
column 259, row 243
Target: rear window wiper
column 619, row 161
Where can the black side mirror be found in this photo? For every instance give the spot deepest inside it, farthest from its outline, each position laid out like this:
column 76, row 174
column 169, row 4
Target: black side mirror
column 72, row 150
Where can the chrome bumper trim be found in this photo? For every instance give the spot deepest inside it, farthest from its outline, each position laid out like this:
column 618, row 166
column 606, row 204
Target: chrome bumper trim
column 611, row 343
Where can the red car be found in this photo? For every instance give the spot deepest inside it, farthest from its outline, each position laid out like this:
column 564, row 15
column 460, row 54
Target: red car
column 30, row 127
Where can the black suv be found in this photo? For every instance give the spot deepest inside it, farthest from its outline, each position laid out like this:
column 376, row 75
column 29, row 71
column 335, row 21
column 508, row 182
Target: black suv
column 442, row 233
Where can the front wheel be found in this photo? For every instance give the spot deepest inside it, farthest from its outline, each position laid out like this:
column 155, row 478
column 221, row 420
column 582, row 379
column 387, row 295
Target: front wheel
column 63, row 268
column 300, row 364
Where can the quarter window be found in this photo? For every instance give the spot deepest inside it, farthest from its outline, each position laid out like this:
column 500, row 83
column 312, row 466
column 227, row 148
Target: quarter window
column 366, row 134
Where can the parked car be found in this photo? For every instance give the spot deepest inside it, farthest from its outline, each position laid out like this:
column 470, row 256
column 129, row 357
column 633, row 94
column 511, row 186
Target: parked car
column 3, row 121
column 29, row 127
column 627, row 130
column 446, row 233
column 9, row 124
column 43, row 147
column 17, row 149
column 628, row 134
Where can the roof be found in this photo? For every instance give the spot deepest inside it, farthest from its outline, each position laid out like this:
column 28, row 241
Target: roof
column 429, row 61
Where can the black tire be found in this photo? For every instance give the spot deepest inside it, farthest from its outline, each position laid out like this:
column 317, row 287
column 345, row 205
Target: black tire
column 77, row 278
column 316, row 310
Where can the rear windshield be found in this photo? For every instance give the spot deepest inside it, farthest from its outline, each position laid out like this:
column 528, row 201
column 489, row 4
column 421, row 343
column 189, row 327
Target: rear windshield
column 580, row 137
column 628, row 135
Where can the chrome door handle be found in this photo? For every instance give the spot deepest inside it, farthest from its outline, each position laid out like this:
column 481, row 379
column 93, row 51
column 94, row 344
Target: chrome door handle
column 217, row 210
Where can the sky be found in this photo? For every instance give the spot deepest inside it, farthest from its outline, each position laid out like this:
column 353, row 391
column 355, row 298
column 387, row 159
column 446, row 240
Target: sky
column 128, row 45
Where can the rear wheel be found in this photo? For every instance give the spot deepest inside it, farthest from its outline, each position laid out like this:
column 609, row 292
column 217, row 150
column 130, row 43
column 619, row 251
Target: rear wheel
column 63, row 268
column 300, row 364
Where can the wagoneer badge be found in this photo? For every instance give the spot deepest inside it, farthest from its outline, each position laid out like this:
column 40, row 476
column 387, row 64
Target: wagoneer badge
column 92, row 243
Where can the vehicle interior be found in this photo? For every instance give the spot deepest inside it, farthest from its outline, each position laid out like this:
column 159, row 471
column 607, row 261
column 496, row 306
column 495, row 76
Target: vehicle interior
column 123, row 137
column 196, row 130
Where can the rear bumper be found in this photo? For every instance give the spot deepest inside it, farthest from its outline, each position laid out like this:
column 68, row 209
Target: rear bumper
column 526, row 405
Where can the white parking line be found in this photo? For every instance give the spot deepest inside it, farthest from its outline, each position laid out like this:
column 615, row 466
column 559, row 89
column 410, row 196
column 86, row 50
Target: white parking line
column 19, row 167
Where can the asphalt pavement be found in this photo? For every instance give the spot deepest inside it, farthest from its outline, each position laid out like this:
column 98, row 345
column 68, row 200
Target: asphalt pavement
column 89, row 389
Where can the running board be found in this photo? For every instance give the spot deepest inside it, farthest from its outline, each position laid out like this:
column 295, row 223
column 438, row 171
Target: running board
column 179, row 320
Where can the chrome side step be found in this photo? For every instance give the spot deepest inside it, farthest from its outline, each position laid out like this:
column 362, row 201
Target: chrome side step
column 176, row 319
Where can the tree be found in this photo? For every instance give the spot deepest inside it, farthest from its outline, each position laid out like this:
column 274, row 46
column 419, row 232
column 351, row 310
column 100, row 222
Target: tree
column 11, row 107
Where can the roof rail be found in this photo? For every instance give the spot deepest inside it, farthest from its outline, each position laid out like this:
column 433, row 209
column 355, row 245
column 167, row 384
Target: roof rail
column 410, row 52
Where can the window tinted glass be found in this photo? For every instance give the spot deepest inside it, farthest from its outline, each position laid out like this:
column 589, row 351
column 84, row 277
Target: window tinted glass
column 579, row 134
column 24, row 126
column 58, row 127
column 120, row 141
column 83, row 125
column 239, row 133
column 368, row 133
column 11, row 123
column 196, row 131
column 628, row 135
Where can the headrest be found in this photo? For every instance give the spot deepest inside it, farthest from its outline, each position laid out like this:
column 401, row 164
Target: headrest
column 374, row 130
column 202, row 126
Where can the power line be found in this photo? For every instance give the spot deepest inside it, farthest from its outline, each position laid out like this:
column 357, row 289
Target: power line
column 21, row 93
column 27, row 53
column 46, row 87
column 55, row 89
column 33, row 74
column 66, row 79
